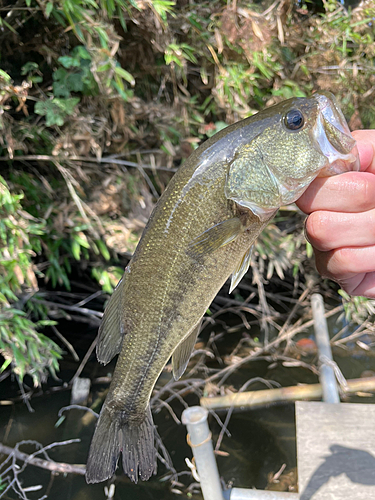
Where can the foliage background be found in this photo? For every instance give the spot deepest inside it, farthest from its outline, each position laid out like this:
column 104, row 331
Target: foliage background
column 100, row 102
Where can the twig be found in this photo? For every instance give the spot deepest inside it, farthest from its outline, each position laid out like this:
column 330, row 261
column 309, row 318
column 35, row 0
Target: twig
column 66, row 342
column 77, row 407
column 265, row 308
column 69, row 180
column 230, row 411
column 255, row 354
column 87, row 159
column 172, row 413
column 89, row 298
column 82, row 310
column 45, row 464
column 293, row 311
column 84, row 361
column 25, row 397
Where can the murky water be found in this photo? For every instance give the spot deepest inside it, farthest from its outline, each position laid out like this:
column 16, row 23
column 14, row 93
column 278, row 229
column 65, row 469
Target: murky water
column 261, row 441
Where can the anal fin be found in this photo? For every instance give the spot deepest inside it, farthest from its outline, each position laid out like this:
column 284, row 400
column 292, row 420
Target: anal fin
column 215, row 237
column 241, row 269
column 182, row 353
column 111, row 332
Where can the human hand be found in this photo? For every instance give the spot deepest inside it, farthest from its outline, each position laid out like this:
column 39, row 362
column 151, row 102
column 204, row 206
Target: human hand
column 341, row 222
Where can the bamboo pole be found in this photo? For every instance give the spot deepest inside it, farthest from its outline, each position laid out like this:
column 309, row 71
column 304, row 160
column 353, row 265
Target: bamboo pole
column 253, row 399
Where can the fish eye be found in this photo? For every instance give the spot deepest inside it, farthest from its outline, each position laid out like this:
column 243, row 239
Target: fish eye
column 294, row 119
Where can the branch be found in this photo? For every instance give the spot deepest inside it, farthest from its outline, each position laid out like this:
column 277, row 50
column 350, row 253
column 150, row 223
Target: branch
column 44, row 464
column 253, row 399
column 87, row 159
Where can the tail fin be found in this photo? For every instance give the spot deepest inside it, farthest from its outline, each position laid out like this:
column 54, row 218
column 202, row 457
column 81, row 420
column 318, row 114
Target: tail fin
column 138, row 449
column 115, row 433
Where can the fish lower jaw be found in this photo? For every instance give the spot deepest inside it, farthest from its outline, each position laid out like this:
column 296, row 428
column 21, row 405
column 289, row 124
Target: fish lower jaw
column 347, row 163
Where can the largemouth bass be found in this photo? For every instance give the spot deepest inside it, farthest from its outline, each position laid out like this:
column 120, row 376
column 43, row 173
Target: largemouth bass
column 201, row 232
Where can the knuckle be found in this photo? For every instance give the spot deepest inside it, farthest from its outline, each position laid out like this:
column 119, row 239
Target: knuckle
column 366, row 192
column 341, row 261
column 317, row 230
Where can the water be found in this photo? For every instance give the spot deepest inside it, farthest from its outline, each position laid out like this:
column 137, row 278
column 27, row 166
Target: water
column 261, row 441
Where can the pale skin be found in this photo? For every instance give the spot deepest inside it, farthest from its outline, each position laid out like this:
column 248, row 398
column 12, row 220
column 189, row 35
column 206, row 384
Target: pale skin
column 341, row 222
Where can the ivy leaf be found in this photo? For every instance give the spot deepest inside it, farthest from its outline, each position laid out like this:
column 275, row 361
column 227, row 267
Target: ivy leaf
column 56, row 110
column 74, row 82
column 69, row 62
column 51, row 112
column 67, row 105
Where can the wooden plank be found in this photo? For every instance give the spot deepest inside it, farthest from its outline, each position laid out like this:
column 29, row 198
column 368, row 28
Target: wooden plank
column 335, row 451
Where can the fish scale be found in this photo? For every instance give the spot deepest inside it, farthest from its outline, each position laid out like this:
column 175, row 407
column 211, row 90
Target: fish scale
column 200, row 233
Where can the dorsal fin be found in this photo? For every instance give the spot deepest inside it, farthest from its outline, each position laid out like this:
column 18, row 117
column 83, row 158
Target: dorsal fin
column 182, row 353
column 111, row 331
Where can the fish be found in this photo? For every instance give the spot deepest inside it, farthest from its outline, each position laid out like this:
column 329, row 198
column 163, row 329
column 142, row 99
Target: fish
column 199, row 234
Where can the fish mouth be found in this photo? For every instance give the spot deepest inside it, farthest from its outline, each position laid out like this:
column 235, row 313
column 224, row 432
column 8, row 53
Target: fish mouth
column 334, row 138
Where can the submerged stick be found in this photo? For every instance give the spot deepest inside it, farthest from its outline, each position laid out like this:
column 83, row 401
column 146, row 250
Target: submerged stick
column 43, row 463
column 253, row 399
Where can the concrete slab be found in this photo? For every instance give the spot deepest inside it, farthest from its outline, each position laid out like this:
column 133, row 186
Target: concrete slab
column 335, row 451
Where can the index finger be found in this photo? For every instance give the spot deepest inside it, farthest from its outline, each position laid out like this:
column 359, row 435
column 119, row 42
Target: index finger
column 366, row 149
column 351, row 192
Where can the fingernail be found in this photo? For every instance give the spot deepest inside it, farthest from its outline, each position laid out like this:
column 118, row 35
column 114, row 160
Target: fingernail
column 305, row 230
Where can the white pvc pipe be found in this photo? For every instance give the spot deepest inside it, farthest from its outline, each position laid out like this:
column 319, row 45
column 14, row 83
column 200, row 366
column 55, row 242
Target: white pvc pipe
column 199, row 438
column 326, row 372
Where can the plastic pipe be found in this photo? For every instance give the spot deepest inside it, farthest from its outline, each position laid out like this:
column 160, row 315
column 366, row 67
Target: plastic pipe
column 199, row 438
column 327, row 374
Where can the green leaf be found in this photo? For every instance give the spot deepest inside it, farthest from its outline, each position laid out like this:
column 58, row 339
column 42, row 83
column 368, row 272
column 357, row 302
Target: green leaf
column 5, row 76
column 104, row 67
column 82, row 52
column 125, row 75
column 5, row 365
column 49, row 9
column 82, row 240
column 69, row 62
column 29, row 67
column 309, row 250
column 75, row 82
column 54, row 115
column 67, row 105
column 103, row 249
column 76, row 249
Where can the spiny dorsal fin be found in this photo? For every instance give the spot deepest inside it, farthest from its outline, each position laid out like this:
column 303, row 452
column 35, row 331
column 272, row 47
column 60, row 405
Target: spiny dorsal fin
column 111, row 332
column 182, row 353
column 240, row 270
column 215, row 237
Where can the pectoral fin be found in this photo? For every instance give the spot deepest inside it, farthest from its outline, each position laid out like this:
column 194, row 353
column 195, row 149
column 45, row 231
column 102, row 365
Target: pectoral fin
column 181, row 355
column 241, row 270
column 215, row 237
column 111, row 331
